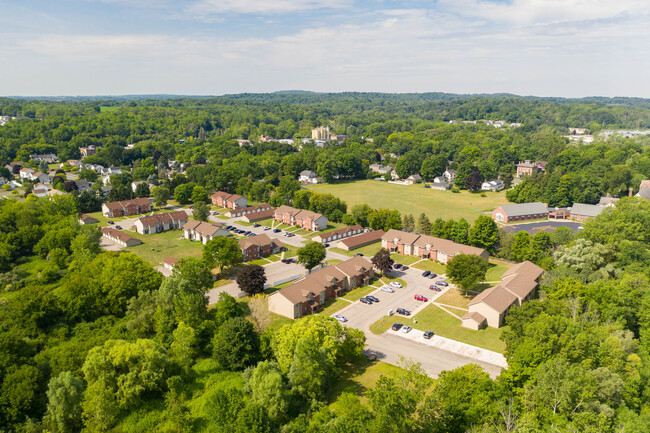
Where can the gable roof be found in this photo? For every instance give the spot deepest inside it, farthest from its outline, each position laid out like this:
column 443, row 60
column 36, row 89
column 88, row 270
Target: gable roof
column 354, row 266
column 206, row 229
column 475, row 316
column 496, row 297
column 446, row 246
column 362, row 238
column 113, row 205
column 524, row 209
column 606, row 201
column 117, row 234
column 402, row 237
column 170, row 260
column 258, row 240
column 163, row 218
column 286, row 209
column 591, row 210
column 342, row 231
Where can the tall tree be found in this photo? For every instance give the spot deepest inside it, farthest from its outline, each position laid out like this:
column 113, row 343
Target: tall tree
column 64, row 395
column 160, row 195
column 311, row 255
column 484, row 233
column 201, row 211
column 222, row 251
column 466, row 270
column 408, row 224
column 424, row 224
column 142, row 190
column 382, row 261
column 236, row 344
column 251, row 279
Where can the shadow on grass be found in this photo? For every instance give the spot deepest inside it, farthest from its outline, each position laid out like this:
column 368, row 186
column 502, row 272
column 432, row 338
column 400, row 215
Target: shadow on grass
column 346, row 382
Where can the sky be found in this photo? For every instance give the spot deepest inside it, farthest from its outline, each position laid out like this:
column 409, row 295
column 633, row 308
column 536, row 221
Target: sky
column 567, row 48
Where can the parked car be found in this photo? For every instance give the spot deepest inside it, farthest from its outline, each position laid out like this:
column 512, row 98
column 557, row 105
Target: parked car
column 420, row 298
column 387, row 289
column 365, row 301
column 434, row 288
column 266, row 228
column 256, row 225
column 111, row 222
column 396, row 326
column 406, row 329
column 403, row 312
column 326, row 245
column 442, row 283
column 428, row 334
column 358, row 255
column 276, row 230
column 432, row 275
column 372, row 298
column 290, row 235
column 340, row 318
column 396, row 284
column 404, row 268
column 397, row 265
column 426, row 273
column 287, row 261
column 118, row 227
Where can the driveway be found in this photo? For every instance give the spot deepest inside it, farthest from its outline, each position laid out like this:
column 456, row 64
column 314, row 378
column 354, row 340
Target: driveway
column 435, row 355
column 296, row 241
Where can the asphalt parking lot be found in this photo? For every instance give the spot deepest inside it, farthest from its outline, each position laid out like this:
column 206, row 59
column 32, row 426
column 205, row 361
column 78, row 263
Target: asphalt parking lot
column 547, row 226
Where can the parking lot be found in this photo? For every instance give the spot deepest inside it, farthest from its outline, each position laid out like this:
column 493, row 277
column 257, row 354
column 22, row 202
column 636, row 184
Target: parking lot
column 435, row 355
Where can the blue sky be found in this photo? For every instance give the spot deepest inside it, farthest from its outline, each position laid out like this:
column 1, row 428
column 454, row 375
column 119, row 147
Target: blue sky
column 566, row 48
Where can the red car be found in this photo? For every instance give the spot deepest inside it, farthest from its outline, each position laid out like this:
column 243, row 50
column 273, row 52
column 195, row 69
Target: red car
column 420, row 298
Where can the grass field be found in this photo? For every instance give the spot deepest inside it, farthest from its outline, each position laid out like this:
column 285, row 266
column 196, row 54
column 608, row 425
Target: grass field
column 168, row 244
column 454, row 298
column 430, row 265
column 356, row 294
column 387, row 279
column 332, row 306
column 414, row 199
column 404, row 260
column 360, row 376
column 496, row 270
column 432, row 318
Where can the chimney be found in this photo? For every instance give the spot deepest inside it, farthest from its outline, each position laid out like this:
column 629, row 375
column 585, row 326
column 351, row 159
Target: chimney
column 630, row 193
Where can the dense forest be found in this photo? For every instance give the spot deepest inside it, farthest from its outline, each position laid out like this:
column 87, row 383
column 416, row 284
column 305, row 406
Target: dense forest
column 99, row 341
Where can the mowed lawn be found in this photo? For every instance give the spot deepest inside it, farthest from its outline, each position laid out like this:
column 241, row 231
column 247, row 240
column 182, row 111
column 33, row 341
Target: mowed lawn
column 168, row 244
column 413, row 199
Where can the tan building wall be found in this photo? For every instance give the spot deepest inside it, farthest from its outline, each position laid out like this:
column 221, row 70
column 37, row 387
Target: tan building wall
column 278, row 304
column 494, row 319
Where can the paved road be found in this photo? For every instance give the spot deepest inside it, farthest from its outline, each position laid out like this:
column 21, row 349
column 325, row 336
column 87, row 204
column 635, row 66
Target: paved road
column 389, row 347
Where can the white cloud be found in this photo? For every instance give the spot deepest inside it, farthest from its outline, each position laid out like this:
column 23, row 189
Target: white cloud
column 207, row 8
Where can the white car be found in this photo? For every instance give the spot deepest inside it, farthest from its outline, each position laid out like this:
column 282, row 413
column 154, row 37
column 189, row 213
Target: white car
column 266, row 228
column 340, row 318
column 406, row 329
column 387, row 289
column 396, row 284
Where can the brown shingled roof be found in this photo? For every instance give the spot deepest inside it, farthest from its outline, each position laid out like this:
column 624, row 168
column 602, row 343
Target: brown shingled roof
column 402, row 237
column 496, row 297
column 122, row 204
column 163, row 218
column 259, row 240
column 363, row 238
column 117, row 234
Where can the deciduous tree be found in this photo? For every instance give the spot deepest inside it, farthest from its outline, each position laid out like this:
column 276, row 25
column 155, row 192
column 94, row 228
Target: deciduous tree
column 251, row 279
column 466, row 270
column 311, row 255
column 382, row 261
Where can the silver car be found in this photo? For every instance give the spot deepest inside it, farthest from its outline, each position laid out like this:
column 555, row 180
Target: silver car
column 387, row 289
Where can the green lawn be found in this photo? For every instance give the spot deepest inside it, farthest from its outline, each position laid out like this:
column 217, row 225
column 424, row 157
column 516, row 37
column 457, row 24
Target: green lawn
column 454, row 298
column 405, row 260
column 168, row 244
column 368, row 250
column 260, row 262
column 430, row 265
column 291, row 251
column 414, row 199
column 333, row 262
column 356, row 294
column 360, row 376
column 331, row 226
column 496, row 270
column 432, row 318
column 332, row 306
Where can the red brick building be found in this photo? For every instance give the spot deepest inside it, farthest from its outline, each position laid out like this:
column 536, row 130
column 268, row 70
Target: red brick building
column 259, row 246
column 127, row 207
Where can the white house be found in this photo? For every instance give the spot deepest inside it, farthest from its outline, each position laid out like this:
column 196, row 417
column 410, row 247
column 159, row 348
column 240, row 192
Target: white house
column 449, row 175
column 492, row 185
column 308, row 176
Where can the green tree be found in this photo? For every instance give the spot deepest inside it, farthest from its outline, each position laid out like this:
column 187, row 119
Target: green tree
column 176, row 412
column 408, row 164
column 460, row 232
column 311, row 255
column 424, row 224
column 473, row 180
column 268, row 388
column 484, row 233
column 183, row 193
column 382, row 261
column 142, row 190
column 199, row 195
column 236, row 344
column 252, row 279
column 432, row 167
column 195, row 272
column 466, row 270
column 183, row 347
column 222, row 251
column 408, row 224
column 311, row 371
column 520, row 249
column 64, row 395
column 100, row 407
column 227, row 308
column 200, row 211
column 160, row 195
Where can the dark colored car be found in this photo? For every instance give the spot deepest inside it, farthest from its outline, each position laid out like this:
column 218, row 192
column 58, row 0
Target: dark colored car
column 396, row 326
column 432, row 275
column 358, row 254
column 372, row 298
column 404, row 268
column 434, row 288
column 256, row 225
column 276, row 230
column 365, row 301
column 287, row 261
column 118, row 227
column 442, row 283
column 428, row 335
column 326, row 245
column 397, row 265
column 290, row 235
column 403, row 312
column 111, row 222
column 426, row 273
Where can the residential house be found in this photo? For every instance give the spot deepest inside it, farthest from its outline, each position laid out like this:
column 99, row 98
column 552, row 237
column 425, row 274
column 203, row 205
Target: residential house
column 492, row 185
column 361, row 240
column 305, row 219
column 40, row 192
column 169, row 263
column 87, row 219
column 520, row 212
column 578, row 131
column 413, row 179
column 203, row 232
column 336, row 235
column 308, row 176
column 87, row 151
column 449, row 175
column 528, row 168
column 53, row 192
column 26, row 172
column 114, row 170
column 48, row 157
column 120, row 237
column 14, row 167
column 490, row 307
column 259, row 246
column 381, row 169
column 308, row 295
column 427, row 247
column 127, row 207
column 644, row 190
column 439, row 183
column 262, row 208
column 82, row 184
column 231, row 201
column 161, row 222
column 608, row 200
column 37, row 176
